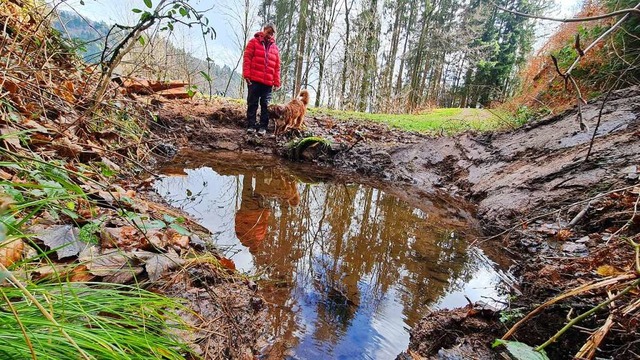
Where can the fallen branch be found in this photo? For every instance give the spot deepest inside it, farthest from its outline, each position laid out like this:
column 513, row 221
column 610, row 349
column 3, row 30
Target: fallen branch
column 579, row 290
column 626, row 12
column 587, row 314
column 588, row 350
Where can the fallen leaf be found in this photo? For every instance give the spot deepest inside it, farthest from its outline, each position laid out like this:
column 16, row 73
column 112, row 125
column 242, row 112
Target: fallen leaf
column 114, row 266
column 227, row 263
column 81, row 274
column 10, row 86
column 10, row 137
column 123, row 238
column 157, row 265
column 177, row 239
column 563, row 234
column 32, row 124
column 5, row 176
column 608, row 270
column 11, row 251
column 157, row 238
column 63, row 239
column 5, row 200
column 66, row 148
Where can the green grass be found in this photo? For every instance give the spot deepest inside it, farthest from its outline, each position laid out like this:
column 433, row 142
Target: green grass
column 105, row 322
column 446, row 120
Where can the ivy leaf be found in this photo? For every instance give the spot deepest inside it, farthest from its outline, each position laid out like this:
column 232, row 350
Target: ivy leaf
column 179, row 229
column 137, row 11
column 141, row 40
column 168, row 218
column 183, row 11
column 521, row 351
column 170, row 26
column 148, row 3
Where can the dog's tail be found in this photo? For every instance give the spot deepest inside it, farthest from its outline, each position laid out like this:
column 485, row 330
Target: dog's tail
column 304, row 97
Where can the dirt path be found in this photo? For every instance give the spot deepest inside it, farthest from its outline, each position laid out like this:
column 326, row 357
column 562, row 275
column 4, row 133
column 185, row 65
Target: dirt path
column 514, row 178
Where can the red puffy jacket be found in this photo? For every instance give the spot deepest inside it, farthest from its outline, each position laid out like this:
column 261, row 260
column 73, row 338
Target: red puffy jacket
column 262, row 61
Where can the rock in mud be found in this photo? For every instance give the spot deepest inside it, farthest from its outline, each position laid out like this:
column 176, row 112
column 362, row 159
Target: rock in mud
column 576, row 249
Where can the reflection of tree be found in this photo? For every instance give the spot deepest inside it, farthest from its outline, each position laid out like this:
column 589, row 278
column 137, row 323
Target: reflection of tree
column 349, row 246
column 334, row 252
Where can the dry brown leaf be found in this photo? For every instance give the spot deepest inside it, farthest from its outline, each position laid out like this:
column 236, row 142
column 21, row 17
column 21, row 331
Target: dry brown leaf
column 5, row 200
column 81, row 274
column 39, row 139
column 65, row 95
column 173, row 238
column 10, row 86
column 608, row 270
column 157, row 238
column 69, row 86
column 64, row 239
column 114, row 266
column 160, row 263
column 66, row 148
column 34, row 125
column 11, row 252
column 4, row 176
column 563, row 235
column 11, row 137
column 227, row 263
column 124, row 238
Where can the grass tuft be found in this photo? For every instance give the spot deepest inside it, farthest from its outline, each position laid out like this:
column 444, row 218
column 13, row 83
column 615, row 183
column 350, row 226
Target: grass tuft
column 105, row 321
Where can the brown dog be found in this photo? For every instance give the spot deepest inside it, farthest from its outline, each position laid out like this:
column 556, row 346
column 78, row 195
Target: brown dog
column 291, row 115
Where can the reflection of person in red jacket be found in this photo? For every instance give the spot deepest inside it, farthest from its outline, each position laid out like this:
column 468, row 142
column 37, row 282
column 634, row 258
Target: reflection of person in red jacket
column 252, row 219
column 261, row 71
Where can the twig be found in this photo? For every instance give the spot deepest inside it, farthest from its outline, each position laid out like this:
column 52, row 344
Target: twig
column 587, row 314
column 580, row 215
column 576, row 291
column 634, row 10
column 628, row 223
column 555, row 211
column 588, row 350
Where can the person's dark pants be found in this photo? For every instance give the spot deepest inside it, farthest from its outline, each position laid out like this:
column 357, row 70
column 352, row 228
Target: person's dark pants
column 258, row 93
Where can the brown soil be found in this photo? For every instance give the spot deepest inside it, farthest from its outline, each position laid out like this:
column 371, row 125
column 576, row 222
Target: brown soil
column 528, row 185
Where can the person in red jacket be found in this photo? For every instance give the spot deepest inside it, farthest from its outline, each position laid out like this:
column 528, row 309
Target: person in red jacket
column 261, row 71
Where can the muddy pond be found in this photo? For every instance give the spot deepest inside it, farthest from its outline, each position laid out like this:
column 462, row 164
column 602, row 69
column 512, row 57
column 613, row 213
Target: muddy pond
column 346, row 268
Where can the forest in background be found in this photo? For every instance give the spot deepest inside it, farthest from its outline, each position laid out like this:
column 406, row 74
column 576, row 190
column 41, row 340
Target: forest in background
column 400, row 56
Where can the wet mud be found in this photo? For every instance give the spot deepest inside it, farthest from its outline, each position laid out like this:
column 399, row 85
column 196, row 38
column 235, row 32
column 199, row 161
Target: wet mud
column 530, row 188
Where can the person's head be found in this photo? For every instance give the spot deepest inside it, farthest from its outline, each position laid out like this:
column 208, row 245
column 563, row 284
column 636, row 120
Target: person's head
column 269, row 31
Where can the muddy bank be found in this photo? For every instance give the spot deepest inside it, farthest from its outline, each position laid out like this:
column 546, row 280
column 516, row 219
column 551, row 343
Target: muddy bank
column 529, row 186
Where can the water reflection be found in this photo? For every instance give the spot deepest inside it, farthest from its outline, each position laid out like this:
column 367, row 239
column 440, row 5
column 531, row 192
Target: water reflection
column 348, row 268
